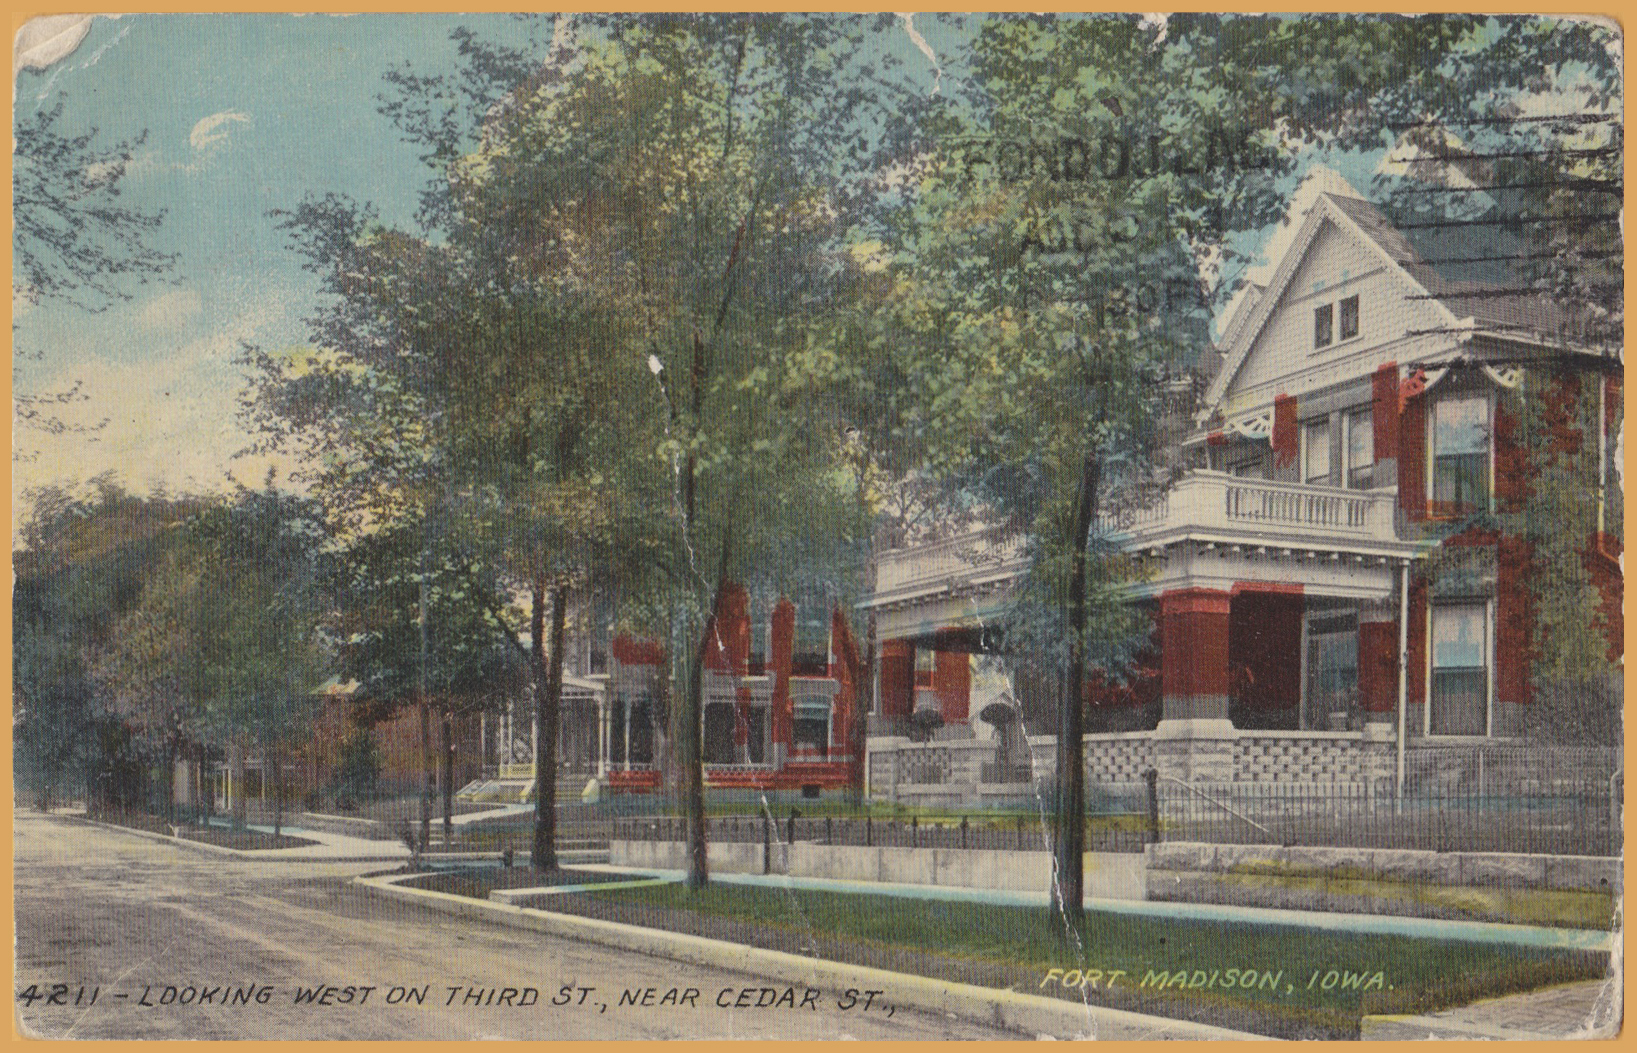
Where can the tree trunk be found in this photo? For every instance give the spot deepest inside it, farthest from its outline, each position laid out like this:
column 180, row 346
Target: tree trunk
column 863, row 705
column 448, row 777
column 278, row 793
column 548, row 693
column 207, row 787
column 1068, row 890
column 427, row 764
column 691, row 758
column 170, row 779
column 238, row 802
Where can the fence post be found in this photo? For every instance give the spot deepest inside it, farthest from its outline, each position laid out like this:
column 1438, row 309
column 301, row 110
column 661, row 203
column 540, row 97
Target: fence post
column 1020, row 833
column 869, row 832
column 790, row 828
column 829, row 832
column 767, row 842
column 914, row 831
column 1152, row 778
column 963, row 831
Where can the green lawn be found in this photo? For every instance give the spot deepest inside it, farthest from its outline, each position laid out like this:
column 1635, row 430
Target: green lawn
column 1176, row 968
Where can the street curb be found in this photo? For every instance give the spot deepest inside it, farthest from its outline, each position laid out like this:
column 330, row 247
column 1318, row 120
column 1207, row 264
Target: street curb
column 264, row 855
column 1029, row 1014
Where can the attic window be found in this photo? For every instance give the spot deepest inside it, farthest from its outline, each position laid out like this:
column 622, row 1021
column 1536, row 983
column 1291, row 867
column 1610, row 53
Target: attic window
column 1322, row 325
column 1349, row 318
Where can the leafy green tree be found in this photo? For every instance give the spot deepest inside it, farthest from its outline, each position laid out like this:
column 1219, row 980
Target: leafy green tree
column 82, row 566
column 738, row 158
column 257, row 623
column 73, row 241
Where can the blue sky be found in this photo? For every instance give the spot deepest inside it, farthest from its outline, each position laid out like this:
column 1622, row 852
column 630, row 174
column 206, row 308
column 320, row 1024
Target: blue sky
column 243, row 114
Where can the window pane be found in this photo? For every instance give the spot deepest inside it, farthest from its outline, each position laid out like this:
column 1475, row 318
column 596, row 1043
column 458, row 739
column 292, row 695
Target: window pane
column 719, row 721
column 1462, row 426
column 1361, row 449
column 1316, row 468
column 1458, row 702
column 810, row 730
column 1322, row 326
column 1349, row 317
column 642, row 733
column 1458, row 636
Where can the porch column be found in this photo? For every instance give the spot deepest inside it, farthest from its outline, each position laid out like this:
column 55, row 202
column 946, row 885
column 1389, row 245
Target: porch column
column 1194, row 740
column 602, row 734
column 897, row 680
column 952, row 682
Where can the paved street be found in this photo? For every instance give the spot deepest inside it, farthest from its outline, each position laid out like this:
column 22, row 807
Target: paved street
column 132, row 917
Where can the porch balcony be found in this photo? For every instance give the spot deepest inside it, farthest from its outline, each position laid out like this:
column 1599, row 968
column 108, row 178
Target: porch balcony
column 1228, row 509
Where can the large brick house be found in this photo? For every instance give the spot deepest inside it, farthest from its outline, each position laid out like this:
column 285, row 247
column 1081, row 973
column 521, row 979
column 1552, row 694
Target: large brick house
column 1354, row 425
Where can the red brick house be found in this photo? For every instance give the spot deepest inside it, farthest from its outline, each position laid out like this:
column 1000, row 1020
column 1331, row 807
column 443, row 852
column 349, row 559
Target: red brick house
column 1311, row 620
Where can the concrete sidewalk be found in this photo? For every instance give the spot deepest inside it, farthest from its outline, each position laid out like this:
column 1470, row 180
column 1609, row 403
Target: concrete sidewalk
column 331, row 848
column 1364, row 924
column 1588, row 1009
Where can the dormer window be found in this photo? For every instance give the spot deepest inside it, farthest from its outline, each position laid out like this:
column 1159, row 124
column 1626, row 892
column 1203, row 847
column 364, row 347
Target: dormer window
column 1324, row 322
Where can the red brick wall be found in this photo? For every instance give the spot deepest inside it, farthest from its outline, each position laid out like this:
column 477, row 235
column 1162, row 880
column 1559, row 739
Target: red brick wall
column 1195, row 640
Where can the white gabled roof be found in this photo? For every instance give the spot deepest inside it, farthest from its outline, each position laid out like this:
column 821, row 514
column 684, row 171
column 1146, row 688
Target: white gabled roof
column 1328, row 198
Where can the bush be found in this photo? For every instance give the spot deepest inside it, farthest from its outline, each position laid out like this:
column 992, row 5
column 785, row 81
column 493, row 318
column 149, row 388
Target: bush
column 360, row 773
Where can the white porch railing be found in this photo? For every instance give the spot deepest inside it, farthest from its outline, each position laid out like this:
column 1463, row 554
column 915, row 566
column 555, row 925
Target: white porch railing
column 967, row 557
column 1260, row 510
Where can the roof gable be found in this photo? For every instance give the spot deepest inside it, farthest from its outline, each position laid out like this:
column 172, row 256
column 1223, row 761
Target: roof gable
column 1341, row 217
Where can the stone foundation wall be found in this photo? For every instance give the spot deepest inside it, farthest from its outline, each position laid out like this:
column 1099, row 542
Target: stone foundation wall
column 1568, row 891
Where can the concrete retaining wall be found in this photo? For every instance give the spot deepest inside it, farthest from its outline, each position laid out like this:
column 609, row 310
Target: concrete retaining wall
column 1571, row 891
column 1109, row 875
column 672, row 855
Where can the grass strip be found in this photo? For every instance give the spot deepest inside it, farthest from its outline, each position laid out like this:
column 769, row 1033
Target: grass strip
column 1286, row 981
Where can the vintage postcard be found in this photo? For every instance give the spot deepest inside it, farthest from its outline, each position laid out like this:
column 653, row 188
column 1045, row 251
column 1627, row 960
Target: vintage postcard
column 817, row 526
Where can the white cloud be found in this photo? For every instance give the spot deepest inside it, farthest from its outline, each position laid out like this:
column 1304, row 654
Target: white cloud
column 48, row 39
column 170, row 419
column 213, row 131
column 172, row 310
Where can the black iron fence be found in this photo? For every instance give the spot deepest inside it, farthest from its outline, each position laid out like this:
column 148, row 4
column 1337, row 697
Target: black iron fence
column 1558, row 818
column 1561, row 819
column 1114, row 832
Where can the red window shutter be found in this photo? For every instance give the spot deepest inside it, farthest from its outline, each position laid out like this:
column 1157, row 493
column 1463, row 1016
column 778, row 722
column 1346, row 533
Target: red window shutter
column 1284, row 431
column 1412, row 459
column 1384, row 412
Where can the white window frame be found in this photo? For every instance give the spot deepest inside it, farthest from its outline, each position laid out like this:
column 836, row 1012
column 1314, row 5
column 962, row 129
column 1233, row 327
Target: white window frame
column 1431, row 452
column 1489, row 668
column 1330, row 469
column 1358, row 319
column 812, row 700
column 1331, row 341
column 1347, row 465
